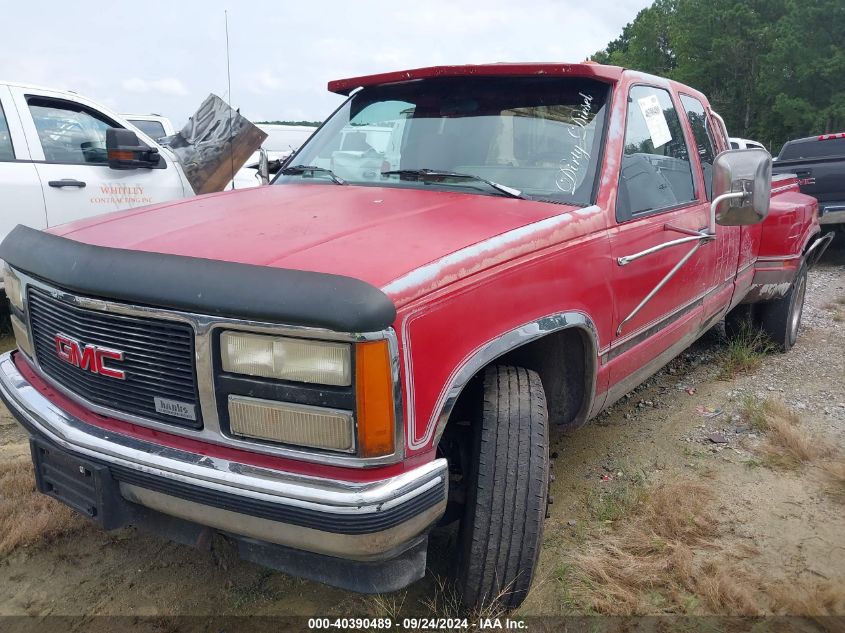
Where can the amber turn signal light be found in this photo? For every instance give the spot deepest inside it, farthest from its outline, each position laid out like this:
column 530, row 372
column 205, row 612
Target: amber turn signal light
column 374, row 390
column 117, row 154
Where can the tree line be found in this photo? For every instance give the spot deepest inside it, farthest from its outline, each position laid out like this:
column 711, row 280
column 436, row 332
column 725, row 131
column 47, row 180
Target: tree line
column 774, row 69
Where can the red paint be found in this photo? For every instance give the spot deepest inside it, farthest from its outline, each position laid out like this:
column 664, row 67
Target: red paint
column 597, row 71
column 464, row 269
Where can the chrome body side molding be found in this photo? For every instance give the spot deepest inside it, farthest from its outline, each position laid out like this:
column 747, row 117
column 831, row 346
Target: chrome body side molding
column 507, row 342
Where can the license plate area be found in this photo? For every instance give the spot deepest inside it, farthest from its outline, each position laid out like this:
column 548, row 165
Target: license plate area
column 85, row 486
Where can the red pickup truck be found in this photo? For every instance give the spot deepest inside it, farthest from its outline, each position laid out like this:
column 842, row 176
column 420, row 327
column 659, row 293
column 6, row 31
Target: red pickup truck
column 459, row 260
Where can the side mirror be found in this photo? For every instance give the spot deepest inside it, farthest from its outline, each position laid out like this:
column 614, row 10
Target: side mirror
column 742, row 187
column 263, row 167
column 125, row 151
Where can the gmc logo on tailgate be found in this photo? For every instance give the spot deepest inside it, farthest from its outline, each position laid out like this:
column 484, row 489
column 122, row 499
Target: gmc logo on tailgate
column 88, row 357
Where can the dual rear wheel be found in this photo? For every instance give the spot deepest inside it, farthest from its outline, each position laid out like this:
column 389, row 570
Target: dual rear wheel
column 779, row 319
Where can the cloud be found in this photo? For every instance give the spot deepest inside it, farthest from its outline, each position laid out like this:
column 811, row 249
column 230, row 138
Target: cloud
column 263, row 81
column 281, row 60
column 166, row 86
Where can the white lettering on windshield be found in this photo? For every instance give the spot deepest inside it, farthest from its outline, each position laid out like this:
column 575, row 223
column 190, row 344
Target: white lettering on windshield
column 579, row 156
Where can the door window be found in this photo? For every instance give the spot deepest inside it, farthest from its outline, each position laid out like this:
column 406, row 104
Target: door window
column 704, row 144
column 70, row 132
column 656, row 172
column 6, row 150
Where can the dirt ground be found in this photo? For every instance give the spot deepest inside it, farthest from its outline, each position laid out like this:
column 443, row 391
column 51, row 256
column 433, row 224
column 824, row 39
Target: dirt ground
column 772, row 527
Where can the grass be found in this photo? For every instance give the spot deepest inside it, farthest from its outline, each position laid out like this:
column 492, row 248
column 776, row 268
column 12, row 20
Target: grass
column 609, row 505
column 647, row 564
column 787, row 443
column 745, row 352
column 27, row 517
column 445, row 602
column 386, row 605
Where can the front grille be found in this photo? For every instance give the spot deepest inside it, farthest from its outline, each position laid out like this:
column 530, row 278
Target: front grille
column 158, row 357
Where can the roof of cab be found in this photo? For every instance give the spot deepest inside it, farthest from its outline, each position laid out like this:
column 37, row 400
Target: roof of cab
column 520, row 69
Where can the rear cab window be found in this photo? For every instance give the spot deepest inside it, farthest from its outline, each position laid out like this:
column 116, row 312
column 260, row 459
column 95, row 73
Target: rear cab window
column 814, row 148
column 656, row 173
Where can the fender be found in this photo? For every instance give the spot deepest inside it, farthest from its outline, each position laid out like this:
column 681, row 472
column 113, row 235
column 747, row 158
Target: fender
column 495, row 348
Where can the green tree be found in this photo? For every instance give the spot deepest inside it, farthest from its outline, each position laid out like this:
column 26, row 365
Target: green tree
column 773, row 69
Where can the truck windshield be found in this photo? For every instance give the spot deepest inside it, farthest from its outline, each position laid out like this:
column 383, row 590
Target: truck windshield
column 539, row 136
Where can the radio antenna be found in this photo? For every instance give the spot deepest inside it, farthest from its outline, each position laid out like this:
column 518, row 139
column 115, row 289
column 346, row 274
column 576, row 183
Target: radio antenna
column 229, row 82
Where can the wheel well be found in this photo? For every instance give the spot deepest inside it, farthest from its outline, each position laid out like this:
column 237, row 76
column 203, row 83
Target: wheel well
column 563, row 359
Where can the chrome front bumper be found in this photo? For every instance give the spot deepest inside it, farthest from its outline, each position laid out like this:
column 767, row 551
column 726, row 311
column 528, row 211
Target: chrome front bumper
column 359, row 521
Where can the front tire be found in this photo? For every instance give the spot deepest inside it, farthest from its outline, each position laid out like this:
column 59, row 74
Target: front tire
column 781, row 319
column 501, row 531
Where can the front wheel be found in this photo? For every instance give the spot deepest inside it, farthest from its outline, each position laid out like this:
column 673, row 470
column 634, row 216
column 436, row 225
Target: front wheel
column 502, row 527
column 781, row 319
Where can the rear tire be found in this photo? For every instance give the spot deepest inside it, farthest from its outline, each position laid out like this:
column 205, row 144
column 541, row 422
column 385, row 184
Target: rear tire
column 781, row 319
column 501, row 532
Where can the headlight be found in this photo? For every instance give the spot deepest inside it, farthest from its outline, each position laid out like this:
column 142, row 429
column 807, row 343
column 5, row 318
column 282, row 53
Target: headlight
column 314, row 427
column 283, row 358
column 13, row 287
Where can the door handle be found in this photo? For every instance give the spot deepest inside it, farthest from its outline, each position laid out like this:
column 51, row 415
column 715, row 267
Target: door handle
column 66, row 182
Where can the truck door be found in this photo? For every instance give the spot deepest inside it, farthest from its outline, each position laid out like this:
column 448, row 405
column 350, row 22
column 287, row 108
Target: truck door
column 22, row 199
column 658, row 288
column 67, row 138
column 20, row 188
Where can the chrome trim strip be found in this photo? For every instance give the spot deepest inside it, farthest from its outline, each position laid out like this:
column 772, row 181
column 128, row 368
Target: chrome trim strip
column 778, row 258
column 491, row 350
column 204, row 327
column 215, row 473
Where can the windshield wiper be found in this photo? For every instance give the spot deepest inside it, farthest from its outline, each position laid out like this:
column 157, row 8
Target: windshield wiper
column 298, row 170
column 422, row 174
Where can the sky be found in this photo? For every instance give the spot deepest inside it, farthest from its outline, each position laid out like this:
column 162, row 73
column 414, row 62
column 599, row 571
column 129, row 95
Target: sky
column 165, row 57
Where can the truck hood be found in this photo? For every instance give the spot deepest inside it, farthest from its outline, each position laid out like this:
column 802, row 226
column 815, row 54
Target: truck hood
column 376, row 234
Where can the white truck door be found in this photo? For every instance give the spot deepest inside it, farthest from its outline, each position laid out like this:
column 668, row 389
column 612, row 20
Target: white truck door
column 21, row 198
column 67, row 138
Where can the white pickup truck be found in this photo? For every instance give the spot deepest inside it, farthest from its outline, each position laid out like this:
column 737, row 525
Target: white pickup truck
column 54, row 165
column 64, row 157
